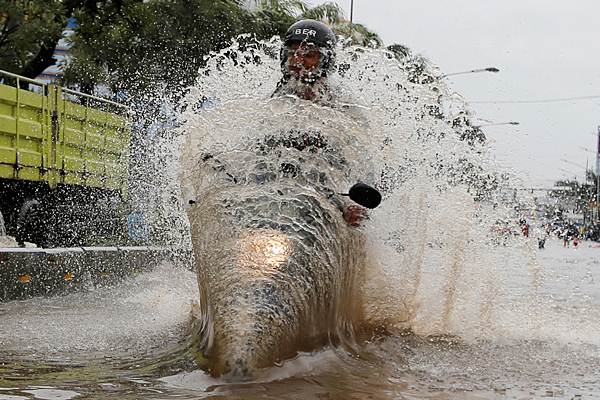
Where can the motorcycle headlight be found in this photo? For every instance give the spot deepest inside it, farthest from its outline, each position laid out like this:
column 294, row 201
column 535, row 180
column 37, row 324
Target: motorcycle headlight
column 264, row 250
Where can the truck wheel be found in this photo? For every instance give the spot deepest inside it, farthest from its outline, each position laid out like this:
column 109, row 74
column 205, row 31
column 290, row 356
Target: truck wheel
column 2, row 225
column 29, row 223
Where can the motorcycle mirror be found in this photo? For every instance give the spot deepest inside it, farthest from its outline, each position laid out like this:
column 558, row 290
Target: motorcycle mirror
column 364, row 195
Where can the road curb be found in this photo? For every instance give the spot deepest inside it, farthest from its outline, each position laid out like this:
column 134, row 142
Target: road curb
column 29, row 272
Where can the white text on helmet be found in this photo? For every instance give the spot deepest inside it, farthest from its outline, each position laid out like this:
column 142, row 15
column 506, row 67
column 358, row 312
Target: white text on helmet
column 307, row 32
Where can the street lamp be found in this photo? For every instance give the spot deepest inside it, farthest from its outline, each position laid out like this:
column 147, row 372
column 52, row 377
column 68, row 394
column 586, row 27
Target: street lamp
column 586, row 149
column 573, row 163
column 497, row 123
column 472, row 71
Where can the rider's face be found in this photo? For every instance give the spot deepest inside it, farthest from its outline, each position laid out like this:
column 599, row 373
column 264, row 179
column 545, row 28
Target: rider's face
column 302, row 58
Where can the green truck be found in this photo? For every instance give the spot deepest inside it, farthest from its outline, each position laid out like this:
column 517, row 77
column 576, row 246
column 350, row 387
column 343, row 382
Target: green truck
column 64, row 172
column 63, row 164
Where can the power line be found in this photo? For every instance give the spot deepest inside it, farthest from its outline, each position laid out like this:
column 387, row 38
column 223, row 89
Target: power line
column 554, row 100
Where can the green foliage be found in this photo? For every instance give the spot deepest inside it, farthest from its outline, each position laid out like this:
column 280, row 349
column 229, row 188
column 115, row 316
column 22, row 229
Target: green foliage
column 150, row 42
column 132, row 45
column 358, row 34
column 28, row 31
column 575, row 196
column 283, row 7
column 472, row 134
column 400, row 51
column 287, row 11
column 328, row 12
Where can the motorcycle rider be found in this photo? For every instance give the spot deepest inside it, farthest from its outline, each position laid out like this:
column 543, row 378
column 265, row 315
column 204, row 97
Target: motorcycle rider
column 307, row 56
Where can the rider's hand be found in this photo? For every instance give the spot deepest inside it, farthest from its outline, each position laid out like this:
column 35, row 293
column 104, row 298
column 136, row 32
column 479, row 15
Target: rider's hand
column 355, row 214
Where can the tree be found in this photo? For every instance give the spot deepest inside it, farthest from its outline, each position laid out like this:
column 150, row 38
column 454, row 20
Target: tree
column 29, row 33
column 330, row 13
column 160, row 43
column 148, row 43
column 472, row 134
column 131, row 45
column 575, row 196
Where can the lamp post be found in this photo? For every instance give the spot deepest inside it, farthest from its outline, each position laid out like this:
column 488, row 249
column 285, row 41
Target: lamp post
column 573, row 163
column 472, row 71
column 597, row 203
column 497, row 123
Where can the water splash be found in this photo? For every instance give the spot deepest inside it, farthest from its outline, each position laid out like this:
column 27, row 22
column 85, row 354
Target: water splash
column 434, row 265
column 146, row 313
column 493, row 316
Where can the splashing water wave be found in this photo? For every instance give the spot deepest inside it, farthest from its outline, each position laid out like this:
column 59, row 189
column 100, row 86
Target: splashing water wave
column 428, row 258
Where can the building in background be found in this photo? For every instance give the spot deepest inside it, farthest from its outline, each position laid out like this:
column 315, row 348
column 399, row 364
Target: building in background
column 61, row 54
column 250, row 4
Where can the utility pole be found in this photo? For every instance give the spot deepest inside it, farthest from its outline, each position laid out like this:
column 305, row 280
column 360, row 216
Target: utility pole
column 585, row 181
column 351, row 10
column 598, row 177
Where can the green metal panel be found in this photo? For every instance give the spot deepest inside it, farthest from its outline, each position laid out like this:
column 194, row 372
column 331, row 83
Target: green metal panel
column 46, row 137
column 94, row 146
column 23, row 134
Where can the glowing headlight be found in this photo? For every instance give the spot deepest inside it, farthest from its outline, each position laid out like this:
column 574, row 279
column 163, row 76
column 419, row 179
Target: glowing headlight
column 264, row 249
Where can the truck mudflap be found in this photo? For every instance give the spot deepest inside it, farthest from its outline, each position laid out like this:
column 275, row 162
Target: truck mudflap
column 29, row 272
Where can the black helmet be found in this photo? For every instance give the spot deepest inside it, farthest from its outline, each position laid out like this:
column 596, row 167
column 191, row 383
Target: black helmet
column 317, row 33
column 310, row 31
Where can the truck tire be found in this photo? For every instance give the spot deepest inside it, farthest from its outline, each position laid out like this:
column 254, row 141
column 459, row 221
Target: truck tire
column 2, row 225
column 29, row 223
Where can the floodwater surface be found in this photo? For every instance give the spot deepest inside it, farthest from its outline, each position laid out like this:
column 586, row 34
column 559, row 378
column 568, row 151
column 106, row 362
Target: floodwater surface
column 132, row 342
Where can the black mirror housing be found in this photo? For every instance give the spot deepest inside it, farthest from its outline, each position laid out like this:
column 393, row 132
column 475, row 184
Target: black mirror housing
column 365, row 195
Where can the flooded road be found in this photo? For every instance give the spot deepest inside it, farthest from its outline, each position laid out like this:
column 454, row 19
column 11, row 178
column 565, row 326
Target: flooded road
column 133, row 342
column 469, row 313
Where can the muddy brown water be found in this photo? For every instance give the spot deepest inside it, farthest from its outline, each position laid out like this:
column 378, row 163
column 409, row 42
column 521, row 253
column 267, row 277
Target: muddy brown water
column 131, row 342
